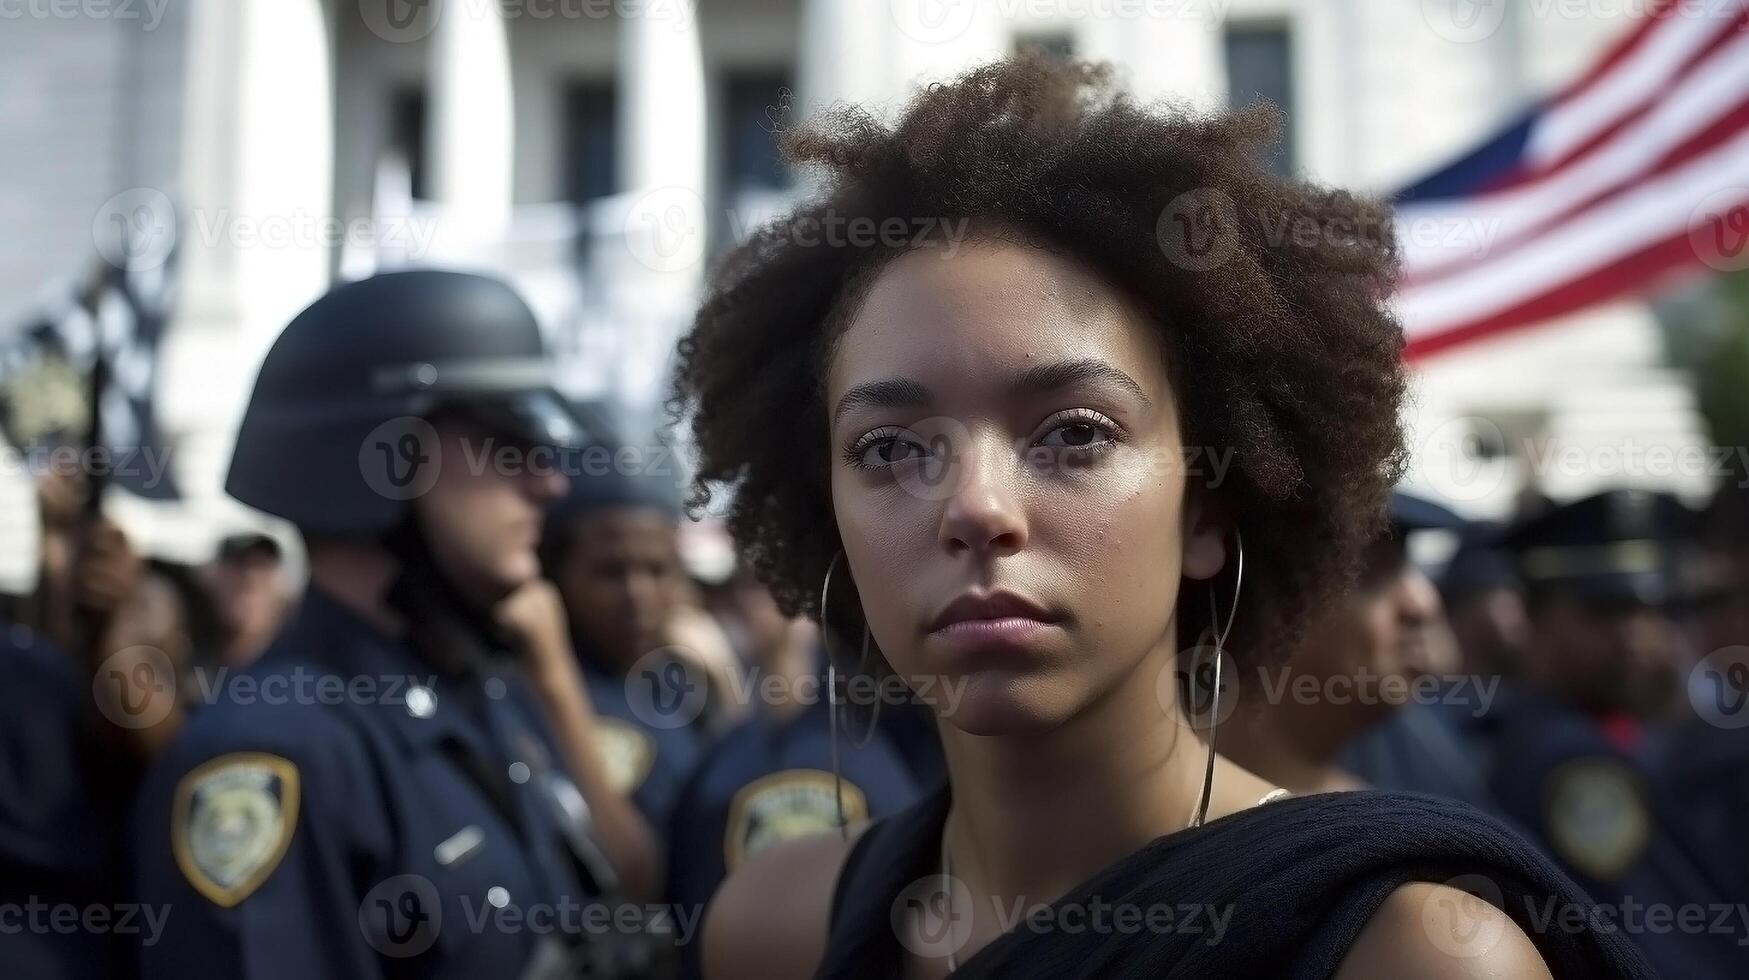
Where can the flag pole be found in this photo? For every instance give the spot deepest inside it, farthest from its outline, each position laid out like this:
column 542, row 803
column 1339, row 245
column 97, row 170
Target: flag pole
column 106, row 274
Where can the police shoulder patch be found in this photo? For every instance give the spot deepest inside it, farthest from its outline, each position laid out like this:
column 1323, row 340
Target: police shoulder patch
column 231, row 821
column 628, row 752
column 783, row 806
column 1597, row 816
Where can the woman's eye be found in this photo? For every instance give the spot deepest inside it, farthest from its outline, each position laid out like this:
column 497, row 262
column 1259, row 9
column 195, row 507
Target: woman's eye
column 885, row 451
column 1075, row 434
column 1080, row 433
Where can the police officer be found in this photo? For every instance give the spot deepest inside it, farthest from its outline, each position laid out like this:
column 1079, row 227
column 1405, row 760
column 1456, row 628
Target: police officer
column 776, row 777
column 1577, row 748
column 1365, row 649
column 82, row 705
column 405, row 783
column 612, row 547
column 1707, row 765
column 62, row 800
column 1484, row 602
column 1423, row 746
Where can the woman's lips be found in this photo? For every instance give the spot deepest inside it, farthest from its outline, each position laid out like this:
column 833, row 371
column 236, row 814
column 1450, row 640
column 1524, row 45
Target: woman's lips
column 1011, row 632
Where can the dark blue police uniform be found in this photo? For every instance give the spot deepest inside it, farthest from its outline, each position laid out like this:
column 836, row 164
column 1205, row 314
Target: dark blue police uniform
column 1707, row 772
column 1601, row 811
column 649, row 751
column 1585, row 778
column 767, row 781
column 1421, row 748
column 342, row 810
column 61, row 813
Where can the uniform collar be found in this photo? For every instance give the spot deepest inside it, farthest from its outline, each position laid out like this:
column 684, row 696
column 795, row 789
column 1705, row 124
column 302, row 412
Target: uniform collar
column 399, row 688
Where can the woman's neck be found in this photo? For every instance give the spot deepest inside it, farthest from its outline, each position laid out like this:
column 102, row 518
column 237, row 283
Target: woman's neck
column 1035, row 816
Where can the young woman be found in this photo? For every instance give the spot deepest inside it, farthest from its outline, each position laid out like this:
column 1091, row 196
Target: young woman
column 1044, row 389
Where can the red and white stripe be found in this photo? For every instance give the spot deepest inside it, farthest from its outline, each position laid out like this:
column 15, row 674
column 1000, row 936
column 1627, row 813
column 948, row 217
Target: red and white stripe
column 1618, row 187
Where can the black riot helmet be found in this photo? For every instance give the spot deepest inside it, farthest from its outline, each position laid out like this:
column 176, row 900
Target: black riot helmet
column 334, row 439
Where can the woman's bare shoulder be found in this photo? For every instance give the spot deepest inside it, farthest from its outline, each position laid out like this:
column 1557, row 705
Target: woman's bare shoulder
column 770, row 917
column 1436, row 931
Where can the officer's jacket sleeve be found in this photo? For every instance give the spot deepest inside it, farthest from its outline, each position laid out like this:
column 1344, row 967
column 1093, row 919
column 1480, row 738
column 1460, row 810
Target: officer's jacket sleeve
column 246, row 839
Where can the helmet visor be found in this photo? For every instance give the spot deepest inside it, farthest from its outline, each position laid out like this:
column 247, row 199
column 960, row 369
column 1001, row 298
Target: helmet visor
column 538, row 417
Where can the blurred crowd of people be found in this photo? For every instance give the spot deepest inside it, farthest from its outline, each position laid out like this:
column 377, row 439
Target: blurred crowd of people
column 1580, row 671
column 694, row 698
column 1577, row 671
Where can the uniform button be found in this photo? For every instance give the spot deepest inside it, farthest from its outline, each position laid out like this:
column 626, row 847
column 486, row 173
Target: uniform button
column 495, row 688
column 421, row 703
column 497, row 896
column 519, row 773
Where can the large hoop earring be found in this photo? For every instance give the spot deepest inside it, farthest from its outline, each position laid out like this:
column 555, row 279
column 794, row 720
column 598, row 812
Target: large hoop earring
column 1208, row 772
column 833, row 700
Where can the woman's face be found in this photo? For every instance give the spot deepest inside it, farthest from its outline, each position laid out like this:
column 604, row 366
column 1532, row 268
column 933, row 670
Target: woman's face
column 1001, row 422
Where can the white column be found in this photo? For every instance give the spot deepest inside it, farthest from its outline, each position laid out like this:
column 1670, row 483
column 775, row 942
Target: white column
column 470, row 132
column 1326, row 92
column 936, row 41
column 844, row 54
column 257, row 158
column 662, row 157
column 1178, row 55
column 256, row 193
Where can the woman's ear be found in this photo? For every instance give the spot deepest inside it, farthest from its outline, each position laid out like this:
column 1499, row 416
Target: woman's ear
column 1206, row 529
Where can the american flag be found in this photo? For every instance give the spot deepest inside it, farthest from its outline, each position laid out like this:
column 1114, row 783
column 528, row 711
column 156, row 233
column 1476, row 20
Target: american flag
column 1636, row 173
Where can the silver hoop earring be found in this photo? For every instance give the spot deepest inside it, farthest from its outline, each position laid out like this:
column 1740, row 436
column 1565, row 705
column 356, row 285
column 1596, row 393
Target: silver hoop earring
column 833, row 700
column 1208, row 773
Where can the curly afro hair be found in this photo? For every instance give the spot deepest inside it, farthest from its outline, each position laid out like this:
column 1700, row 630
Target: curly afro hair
column 1269, row 294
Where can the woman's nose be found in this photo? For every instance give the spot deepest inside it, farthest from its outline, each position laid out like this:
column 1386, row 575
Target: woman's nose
column 984, row 513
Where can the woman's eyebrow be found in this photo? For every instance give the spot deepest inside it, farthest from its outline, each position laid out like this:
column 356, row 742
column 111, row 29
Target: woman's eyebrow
column 1039, row 379
column 1062, row 374
column 891, row 393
